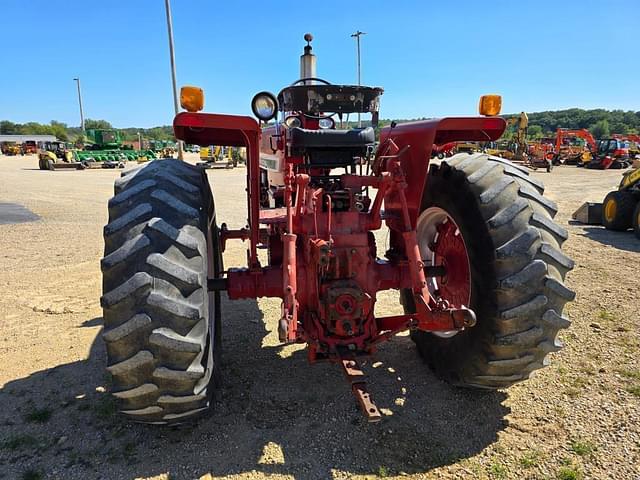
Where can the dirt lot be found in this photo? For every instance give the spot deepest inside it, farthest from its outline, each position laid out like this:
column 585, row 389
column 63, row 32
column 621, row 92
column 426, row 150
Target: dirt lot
column 278, row 417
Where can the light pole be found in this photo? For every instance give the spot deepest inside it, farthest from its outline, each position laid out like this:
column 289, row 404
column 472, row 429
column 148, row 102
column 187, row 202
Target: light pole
column 77, row 80
column 357, row 37
column 173, row 69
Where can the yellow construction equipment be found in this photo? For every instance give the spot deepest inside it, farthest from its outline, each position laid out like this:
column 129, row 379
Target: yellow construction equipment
column 534, row 156
column 217, row 157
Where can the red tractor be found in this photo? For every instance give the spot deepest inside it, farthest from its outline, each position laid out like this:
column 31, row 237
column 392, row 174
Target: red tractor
column 473, row 249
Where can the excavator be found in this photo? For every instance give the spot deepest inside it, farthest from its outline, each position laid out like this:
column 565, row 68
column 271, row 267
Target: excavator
column 574, row 155
column 532, row 155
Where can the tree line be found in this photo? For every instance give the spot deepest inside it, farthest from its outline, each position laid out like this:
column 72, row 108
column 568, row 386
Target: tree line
column 71, row 134
column 602, row 123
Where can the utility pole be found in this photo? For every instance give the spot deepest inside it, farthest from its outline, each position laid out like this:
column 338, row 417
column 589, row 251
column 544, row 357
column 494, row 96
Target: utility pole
column 176, row 105
column 357, row 37
column 77, row 80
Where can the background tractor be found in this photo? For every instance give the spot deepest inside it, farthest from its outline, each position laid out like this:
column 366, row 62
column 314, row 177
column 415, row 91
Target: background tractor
column 163, row 148
column 621, row 208
column 105, row 149
column 10, row 148
column 56, row 155
column 29, row 147
column 473, row 249
column 611, row 153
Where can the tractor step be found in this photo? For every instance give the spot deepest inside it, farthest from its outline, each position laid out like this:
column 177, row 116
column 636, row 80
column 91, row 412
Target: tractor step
column 356, row 377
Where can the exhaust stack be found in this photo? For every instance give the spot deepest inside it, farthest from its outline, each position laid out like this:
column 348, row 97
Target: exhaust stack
column 308, row 61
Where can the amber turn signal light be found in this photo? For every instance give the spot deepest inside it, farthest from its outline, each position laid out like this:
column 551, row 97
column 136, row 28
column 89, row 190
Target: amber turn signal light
column 490, row 105
column 192, row 98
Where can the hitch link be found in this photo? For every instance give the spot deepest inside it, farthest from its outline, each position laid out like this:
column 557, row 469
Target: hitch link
column 356, row 377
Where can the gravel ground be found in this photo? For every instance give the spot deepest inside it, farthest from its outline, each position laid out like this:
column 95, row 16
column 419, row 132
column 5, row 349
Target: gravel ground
column 278, row 417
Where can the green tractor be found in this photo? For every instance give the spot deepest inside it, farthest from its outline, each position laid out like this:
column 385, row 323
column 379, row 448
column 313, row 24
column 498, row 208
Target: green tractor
column 105, row 149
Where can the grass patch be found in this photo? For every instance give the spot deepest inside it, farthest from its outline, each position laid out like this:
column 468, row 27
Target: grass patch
column 582, row 447
column 572, row 392
column 632, row 374
column 498, row 470
column 39, row 415
column 575, row 386
column 530, row 459
column 569, row 473
column 606, row 316
column 634, row 390
column 383, row 472
column 17, row 442
column 32, row 474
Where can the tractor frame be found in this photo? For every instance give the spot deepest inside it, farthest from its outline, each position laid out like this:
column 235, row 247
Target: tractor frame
column 327, row 273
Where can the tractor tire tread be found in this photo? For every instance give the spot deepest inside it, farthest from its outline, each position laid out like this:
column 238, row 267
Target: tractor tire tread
column 525, row 268
column 155, row 293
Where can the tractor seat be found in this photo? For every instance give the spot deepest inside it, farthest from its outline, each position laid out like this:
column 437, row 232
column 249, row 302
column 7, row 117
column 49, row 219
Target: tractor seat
column 331, row 148
column 302, row 139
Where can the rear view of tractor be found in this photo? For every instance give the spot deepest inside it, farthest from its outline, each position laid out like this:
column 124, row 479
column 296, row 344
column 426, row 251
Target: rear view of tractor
column 473, row 249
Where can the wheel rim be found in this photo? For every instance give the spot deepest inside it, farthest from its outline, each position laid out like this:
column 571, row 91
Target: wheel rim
column 610, row 210
column 441, row 243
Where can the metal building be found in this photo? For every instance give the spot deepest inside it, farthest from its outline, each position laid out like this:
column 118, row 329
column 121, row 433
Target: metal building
column 27, row 138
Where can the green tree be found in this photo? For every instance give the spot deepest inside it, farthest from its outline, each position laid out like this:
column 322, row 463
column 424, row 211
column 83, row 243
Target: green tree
column 59, row 129
column 535, row 131
column 90, row 124
column 9, row 128
column 600, row 129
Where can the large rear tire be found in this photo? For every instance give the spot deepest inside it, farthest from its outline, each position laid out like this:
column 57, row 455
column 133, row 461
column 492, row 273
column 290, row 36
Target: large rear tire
column 162, row 326
column 516, row 272
column 617, row 210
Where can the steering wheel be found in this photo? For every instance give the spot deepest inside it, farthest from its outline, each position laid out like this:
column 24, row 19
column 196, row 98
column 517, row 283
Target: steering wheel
column 314, row 79
column 310, row 79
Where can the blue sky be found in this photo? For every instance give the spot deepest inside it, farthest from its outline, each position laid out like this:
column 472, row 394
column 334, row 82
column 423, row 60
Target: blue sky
column 432, row 58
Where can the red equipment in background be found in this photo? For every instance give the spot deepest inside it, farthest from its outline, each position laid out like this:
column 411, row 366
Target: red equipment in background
column 567, row 154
